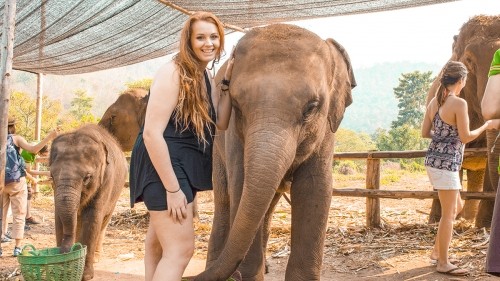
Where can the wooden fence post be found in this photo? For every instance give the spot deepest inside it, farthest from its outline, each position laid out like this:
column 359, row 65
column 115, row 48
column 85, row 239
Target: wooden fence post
column 372, row 182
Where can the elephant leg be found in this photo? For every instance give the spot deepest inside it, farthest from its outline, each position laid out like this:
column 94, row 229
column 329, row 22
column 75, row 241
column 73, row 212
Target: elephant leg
column 100, row 240
column 266, row 227
column 485, row 209
column 221, row 220
column 484, row 214
column 89, row 237
column 311, row 195
column 435, row 214
column 474, row 184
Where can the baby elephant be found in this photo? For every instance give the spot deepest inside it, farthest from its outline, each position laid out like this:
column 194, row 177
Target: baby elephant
column 88, row 169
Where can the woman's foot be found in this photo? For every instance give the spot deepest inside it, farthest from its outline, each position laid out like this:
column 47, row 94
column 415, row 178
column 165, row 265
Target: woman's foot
column 454, row 271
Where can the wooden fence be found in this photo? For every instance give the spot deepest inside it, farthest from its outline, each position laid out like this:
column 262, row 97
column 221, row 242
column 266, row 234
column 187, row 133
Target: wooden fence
column 373, row 192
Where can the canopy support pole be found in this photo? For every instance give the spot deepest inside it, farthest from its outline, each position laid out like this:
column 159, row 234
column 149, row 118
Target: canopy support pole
column 6, row 55
column 39, row 97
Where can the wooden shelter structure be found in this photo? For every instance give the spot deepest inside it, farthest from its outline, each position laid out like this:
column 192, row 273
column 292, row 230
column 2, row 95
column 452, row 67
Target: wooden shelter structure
column 75, row 36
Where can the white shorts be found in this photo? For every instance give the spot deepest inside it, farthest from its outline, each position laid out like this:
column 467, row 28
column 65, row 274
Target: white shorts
column 444, row 179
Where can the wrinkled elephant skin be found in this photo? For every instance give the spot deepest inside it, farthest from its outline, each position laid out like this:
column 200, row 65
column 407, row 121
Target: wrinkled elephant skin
column 88, row 170
column 475, row 45
column 289, row 90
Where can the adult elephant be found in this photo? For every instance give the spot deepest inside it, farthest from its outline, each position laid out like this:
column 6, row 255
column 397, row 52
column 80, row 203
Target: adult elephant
column 124, row 118
column 289, row 91
column 88, row 171
column 475, row 45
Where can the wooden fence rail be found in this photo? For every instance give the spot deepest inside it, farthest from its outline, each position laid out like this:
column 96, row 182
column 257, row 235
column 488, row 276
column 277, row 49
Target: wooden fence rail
column 373, row 192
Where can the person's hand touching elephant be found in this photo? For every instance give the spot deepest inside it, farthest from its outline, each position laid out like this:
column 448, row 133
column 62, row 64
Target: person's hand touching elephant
column 224, row 98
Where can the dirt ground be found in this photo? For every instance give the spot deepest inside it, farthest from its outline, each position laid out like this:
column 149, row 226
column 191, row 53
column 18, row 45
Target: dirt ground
column 397, row 251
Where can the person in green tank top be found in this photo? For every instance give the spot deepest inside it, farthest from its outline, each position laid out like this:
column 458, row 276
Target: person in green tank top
column 490, row 107
column 31, row 176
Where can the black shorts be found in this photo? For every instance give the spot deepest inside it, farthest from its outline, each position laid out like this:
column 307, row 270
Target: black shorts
column 155, row 195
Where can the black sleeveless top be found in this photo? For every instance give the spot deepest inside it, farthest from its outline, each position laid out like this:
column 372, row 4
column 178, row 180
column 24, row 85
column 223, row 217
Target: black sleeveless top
column 188, row 155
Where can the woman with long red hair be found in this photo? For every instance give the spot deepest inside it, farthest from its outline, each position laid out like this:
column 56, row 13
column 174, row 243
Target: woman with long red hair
column 172, row 157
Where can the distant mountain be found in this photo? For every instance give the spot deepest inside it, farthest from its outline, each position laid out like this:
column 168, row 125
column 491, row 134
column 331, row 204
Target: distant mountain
column 374, row 104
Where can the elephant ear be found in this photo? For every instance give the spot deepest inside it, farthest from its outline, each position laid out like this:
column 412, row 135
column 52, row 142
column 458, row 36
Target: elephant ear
column 141, row 109
column 341, row 85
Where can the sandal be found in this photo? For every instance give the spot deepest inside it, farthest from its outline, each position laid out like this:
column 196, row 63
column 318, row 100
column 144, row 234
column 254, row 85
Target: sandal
column 5, row 239
column 17, row 251
column 457, row 271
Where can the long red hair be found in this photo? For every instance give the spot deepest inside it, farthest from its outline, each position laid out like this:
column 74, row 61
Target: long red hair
column 193, row 104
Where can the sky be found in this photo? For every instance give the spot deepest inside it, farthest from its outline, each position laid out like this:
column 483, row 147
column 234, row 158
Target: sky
column 420, row 34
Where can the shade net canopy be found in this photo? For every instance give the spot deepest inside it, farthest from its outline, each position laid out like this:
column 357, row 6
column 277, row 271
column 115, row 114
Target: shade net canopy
column 79, row 36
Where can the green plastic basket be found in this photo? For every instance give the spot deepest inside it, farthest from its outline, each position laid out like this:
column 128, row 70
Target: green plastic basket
column 49, row 264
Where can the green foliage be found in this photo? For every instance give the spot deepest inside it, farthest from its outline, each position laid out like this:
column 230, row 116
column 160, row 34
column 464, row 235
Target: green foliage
column 411, row 94
column 142, row 84
column 401, row 138
column 81, row 109
column 23, row 108
column 413, row 166
column 350, row 141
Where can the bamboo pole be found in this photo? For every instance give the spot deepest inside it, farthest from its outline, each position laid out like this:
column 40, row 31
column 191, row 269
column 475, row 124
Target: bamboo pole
column 188, row 12
column 39, row 97
column 6, row 55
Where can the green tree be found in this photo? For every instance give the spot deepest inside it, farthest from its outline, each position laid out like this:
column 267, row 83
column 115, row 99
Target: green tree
column 81, row 107
column 23, row 108
column 402, row 138
column 411, row 94
column 349, row 141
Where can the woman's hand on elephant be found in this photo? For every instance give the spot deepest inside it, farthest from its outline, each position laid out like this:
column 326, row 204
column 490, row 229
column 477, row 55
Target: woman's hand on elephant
column 177, row 206
column 493, row 124
column 229, row 68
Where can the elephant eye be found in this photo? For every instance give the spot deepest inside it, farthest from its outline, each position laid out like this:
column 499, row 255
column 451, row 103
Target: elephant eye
column 309, row 110
column 87, row 179
column 112, row 119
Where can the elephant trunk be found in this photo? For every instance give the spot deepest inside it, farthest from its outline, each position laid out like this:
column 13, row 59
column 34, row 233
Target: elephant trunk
column 268, row 156
column 67, row 200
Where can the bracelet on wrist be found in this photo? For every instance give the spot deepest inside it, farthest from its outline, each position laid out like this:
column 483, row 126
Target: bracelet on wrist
column 173, row 191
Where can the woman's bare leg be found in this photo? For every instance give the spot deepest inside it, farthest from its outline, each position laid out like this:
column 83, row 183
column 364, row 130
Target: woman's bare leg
column 177, row 244
column 448, row 199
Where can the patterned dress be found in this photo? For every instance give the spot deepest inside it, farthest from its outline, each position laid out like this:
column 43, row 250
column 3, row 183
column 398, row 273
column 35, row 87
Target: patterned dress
column 445, row 151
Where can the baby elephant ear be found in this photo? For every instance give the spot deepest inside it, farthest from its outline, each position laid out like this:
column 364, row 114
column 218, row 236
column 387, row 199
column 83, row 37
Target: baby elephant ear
column 341, row 85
